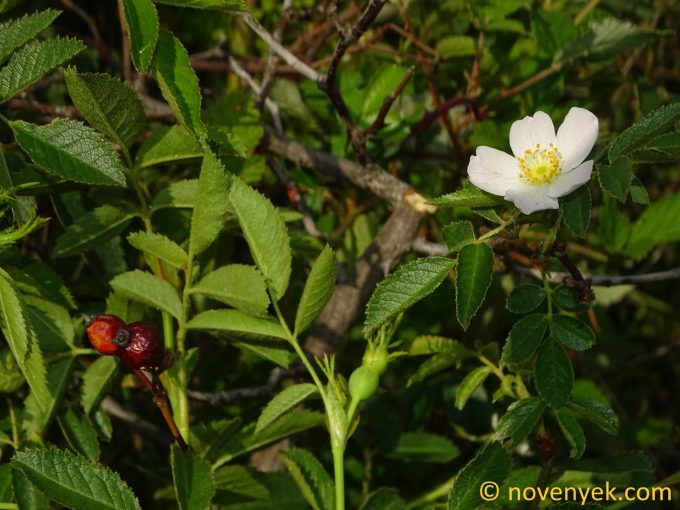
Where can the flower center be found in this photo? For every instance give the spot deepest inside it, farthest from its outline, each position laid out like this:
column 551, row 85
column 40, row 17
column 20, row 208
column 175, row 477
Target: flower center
column 540, row 165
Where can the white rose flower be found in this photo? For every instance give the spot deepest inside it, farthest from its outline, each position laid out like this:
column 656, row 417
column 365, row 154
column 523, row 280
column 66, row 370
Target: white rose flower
column 545, row 166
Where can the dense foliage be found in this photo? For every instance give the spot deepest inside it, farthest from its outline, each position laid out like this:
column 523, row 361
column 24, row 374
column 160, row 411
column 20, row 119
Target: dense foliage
column 281, row 188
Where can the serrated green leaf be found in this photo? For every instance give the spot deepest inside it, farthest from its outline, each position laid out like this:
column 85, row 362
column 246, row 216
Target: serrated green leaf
column 178, row 82
column 6, row 488
column 79, row 434
column 211, row 205
column 615, row 179
column 572, row 431
column 148, row 289
column 657, row 225
column 565, row 298
column 192, row 479
column 22, row 342
column 525, row 298
column 401, row 289
column 265, row 233
column 469, row 384
column 458, row 234
column 141, row 19
column 242, row 481
column 73, row 481
column 22, row 207
column 13, row 235
column 524, row 338
column 109, row 105
column 234, row 321
column 220, row 5
column 520, row 419
column 39, row 279
column 385, row 498
column 604, row 39
column 51, row 323
column 430, row 344
column 92, row 229
column 208, row 436
column 638, row 192
column 27, row 495
column 571, row 332
column 71, row 150
column 576, row 210
column 488, row 213
column 437, row 363
column 246, row 440
column 381, row 84
column 159, row 246
column 179, row 195
column 474, row 278
column 554, row 374
column 19, row 31
column 596, row 412
column 287, row 94
column 40, row 410
column 468, row 196
column 168, row 145
column 96, row 380
column 284, row 402
column 641, row 132
column 33, row 61
column 315, row 483
column 275, row 351
column 317, row 291
column 237, row 285
column 624, row 462
column 424, row 447
column 492, row 464
column 662, row 149
column 452, row 46
column 11, row 378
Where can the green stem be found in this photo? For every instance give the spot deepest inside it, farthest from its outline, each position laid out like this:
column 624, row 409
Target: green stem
column 181, row 399
column 497, row 371
column 298, row 350
column 168, row 332
column 337, row 443
column 186, row 303
column 548, row 293
column 339, row 472
column 511, row 219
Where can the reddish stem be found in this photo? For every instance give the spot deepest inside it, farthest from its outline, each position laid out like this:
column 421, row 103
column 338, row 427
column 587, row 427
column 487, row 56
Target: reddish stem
column 160, row 398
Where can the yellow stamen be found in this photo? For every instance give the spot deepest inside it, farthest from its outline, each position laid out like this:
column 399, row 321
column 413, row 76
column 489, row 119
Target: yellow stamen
column 540, row 166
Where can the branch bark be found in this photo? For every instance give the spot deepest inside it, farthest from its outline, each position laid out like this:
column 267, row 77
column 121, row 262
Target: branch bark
column 280, row 50
column 370, row 177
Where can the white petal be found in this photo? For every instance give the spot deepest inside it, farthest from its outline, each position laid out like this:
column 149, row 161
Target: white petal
column 493, row 170
column 568, row 182
column 576, row 137
column 526, row 133
column 530, row 198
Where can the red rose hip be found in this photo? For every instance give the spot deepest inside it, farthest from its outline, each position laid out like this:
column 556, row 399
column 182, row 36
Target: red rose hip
column 141, row 347
column 102, row 330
